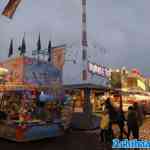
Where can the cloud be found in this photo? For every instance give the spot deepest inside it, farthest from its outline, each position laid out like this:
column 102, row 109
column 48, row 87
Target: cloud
column 121, row 26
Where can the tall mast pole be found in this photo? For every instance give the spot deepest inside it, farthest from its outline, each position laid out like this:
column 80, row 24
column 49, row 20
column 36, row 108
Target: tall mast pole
column 87, row 105
column 84, row 41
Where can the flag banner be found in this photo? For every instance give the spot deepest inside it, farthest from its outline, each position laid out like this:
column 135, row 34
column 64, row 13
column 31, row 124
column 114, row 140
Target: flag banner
column 58, row 57
column 23, row 47
column 49, row 51
column 10, row 49
column 39, row 44
column 19, row 48
column 10, row 8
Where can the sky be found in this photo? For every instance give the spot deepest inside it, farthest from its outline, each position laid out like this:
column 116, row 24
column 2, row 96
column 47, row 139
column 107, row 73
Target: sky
column 120, row 26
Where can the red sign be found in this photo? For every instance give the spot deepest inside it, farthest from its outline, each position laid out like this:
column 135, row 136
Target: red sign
column 136, row 71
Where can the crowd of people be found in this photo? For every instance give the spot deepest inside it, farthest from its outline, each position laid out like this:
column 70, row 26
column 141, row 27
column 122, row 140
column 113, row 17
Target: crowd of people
column 133, row 119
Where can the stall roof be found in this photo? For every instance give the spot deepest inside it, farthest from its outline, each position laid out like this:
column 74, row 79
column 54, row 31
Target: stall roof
column 83, row 86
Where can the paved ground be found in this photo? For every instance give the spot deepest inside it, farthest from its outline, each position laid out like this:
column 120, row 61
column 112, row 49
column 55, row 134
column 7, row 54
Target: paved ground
column 144, row 129
column 76, row 140
column 73, row 141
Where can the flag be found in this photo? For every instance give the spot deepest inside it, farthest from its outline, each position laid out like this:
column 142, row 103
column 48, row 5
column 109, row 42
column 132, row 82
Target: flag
column 10, row 48
column 49, row 51
column 58, row 57
column 19, row 48
column 10, row 8
column 23, row 47
column 39, row 45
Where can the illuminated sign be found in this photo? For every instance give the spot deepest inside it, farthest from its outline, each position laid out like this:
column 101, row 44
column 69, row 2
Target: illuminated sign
column 99, row 70
column 135, row 71
column 141, row 84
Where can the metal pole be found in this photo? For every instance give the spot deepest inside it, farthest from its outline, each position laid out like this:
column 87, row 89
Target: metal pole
column 84, row 41
column 121, row 90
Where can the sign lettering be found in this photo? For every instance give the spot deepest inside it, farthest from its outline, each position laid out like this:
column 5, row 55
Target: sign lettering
column 99, row 70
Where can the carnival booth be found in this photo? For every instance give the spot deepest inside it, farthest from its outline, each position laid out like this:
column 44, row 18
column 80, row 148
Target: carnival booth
column 88, row 96
column 87, row 104
column 128, row 98
column 32, row 102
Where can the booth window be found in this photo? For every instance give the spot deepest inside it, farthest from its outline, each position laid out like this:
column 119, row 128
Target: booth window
column 97, row 100
column 78, row 101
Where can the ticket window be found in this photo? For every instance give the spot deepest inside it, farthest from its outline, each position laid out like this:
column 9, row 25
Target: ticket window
column 78, row 101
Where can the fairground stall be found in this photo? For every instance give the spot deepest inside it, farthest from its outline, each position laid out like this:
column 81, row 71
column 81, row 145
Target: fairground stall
column 88, row 100
column 128, row 98
column 88, row 97
column 129, row 87
column 32, row 102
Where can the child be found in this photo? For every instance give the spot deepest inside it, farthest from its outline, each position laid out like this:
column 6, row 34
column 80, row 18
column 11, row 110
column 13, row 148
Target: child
column 104, row 125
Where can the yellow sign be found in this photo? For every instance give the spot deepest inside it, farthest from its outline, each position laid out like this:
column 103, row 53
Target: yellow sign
column 141, row 84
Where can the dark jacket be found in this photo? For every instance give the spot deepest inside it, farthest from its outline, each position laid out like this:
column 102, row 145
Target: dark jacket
column 112, row 111
column 120, row 118
column 132, row 119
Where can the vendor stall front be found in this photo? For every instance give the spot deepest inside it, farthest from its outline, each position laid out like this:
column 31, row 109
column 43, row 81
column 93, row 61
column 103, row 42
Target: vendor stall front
column 129, row 97
column 32, row 101
column 88, row 95
column 88, row 101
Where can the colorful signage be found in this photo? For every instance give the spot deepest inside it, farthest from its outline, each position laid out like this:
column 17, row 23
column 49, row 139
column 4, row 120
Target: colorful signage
column 30, row 71
column 41, row 73
column 141, row 84
column 99, row 70
column 15, row 69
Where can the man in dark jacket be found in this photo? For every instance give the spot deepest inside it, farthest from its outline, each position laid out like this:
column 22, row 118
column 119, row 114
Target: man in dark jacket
column 132, row 123
column 120, row 122
column 139, row 112
column 112, row 115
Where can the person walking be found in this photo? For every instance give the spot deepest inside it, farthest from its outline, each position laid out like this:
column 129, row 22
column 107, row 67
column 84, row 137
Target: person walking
column 121, row 122
column 112, row 115
column 139, row 112
column 104, row 126
column 132, row 123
